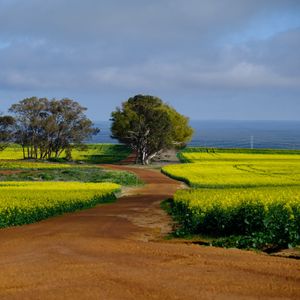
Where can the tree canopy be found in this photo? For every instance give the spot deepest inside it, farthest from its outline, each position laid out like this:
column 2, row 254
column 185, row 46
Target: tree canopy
column 149, row 126
column 6, row 131
column 45, row 128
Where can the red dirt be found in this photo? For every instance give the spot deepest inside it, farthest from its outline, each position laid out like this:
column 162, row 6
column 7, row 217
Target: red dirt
column 113, row 252
column 10, row 172
column 129, row 160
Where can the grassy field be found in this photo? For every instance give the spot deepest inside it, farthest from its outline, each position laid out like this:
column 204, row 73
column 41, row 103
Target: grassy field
column 71, row 174
column 28, row 202
column 244, row 199
column 33, row 165
column 101, row 153
column 93, row 153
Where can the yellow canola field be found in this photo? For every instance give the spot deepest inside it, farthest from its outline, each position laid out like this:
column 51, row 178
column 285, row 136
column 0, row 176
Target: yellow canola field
column 225, row 170
column 254, row 197
column 96, row 153
column 228, row 199
column 205, row 157
column 11, row 152
column 28, row 202
column 274, row 212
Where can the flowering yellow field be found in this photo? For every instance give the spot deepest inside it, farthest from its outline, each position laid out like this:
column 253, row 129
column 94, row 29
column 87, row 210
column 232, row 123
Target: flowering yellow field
column 48, row 191
column 93, row 153
column 262, row 216
column 237, row 157
column 253, row 196
column 11, row 152
column 222, row 170
column 28, row 202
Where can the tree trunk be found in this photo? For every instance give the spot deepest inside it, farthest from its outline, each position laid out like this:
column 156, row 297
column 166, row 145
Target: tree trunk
column 23, row 148
column 144, row 158
column 151, row 156
column 36, row 152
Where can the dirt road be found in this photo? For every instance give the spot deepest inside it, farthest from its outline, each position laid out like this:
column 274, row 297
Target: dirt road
column 108, row 252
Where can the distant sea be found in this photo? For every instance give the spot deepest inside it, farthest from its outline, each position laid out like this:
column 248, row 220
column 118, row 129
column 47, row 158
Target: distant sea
column 232, row 134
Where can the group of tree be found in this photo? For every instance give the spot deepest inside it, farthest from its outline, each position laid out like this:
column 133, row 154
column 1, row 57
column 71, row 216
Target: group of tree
column 149, row 126
column 45, row 128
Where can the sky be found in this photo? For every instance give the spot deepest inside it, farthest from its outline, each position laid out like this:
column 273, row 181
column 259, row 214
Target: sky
column 211, row 60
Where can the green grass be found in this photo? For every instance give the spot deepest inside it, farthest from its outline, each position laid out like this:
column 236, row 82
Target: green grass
column 24, row 170
column 74, row 174
column 44, row 171
column 34, row 165
column 101, row 153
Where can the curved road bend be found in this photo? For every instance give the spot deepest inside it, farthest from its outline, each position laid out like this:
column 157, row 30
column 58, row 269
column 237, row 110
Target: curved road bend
column 113, row 252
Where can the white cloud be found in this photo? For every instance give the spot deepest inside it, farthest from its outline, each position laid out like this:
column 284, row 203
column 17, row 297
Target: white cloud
column 169, row 46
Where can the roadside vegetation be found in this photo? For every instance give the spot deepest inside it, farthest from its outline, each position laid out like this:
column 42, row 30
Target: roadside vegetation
column 240, row 199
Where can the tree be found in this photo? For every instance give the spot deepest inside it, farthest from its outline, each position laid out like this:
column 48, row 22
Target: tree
column 45, row 128
column 6, row 131
column 149, row 126
column 31, row 115
column 67, row 126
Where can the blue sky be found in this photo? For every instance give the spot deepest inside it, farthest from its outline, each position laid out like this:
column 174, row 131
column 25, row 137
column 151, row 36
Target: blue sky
column 230, row 59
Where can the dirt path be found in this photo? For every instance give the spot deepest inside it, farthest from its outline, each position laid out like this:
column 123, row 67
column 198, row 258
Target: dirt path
column 107, row 253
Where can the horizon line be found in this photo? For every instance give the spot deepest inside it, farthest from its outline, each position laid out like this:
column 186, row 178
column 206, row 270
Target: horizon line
column 227, row 120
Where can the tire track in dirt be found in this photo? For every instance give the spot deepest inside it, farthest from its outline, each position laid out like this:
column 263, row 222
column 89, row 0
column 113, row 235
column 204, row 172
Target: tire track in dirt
column 114, row 252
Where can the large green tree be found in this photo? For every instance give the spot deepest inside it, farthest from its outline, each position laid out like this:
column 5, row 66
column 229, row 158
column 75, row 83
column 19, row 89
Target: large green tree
column 149, row 126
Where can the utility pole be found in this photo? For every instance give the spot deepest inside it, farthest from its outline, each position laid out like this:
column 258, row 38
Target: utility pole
column 252, row 141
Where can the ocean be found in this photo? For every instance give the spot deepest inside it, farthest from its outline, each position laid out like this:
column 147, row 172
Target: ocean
column 232, row 134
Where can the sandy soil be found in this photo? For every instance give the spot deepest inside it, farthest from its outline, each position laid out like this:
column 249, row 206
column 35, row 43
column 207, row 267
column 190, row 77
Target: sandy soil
column 114, row 252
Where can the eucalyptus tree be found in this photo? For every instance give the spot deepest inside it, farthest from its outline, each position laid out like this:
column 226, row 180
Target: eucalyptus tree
column 6, row 131
column 149, row 126
column 45, row 128
column 68, row 126
column 30, row 114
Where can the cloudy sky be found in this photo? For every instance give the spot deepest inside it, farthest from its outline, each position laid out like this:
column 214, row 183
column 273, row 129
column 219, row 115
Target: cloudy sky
column 210, row 59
